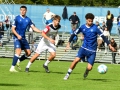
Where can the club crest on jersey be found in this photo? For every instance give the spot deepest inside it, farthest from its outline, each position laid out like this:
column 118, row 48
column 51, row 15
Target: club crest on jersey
column 91, row 30
column 26, row 20
column 45, row 30
column 17, row 46
column 83, row 29
column 20, row 20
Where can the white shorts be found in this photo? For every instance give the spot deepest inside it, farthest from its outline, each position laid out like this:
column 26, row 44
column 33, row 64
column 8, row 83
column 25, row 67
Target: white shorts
column 42, row 46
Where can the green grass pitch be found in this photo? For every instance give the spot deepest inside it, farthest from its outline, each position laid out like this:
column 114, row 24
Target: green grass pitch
column 38, row 79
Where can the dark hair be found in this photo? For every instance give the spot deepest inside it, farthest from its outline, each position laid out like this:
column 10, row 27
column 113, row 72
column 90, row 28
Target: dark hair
column 108, row 12
column 74, row 12
column 89, row 16
column 23, row 7
column 56, row 17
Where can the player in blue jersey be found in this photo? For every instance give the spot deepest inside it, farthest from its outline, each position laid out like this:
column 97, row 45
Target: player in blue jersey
column 88, row 48
column 19, row 26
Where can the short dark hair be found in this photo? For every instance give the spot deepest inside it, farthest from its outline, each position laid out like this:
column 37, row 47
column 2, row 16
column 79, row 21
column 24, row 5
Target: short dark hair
column 56, row 17
column 23, row 7
column 89, row 16
column 74, row 12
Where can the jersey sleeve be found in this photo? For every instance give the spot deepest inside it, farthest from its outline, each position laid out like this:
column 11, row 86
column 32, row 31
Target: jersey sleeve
column 103, row 37
column 46, row 30
column 77, row 31
column 30, row 23
column 99, row 31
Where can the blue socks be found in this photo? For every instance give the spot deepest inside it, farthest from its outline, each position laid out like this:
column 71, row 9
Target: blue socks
column 23, row 57
column 15, row 59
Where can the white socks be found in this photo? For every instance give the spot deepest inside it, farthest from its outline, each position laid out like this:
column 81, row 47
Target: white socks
column 47, row 62
column 28, row 65
column 69, row 71
column 12, row 67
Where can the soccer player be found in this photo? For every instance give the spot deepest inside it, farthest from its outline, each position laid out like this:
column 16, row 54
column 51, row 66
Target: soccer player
column 19, row 26
column 89, row 46
column 47, row 43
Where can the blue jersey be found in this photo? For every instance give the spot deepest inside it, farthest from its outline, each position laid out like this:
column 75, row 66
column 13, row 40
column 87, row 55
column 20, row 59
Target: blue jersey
column 21, row 24
column 90, row 36
column 72, row 32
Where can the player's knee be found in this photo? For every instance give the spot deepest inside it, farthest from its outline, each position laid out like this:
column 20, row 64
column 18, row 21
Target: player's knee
column 89, row 68
column 53, row 56
column 28, row 54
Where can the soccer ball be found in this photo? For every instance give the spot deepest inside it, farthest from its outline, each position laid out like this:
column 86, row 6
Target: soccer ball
column 102, row 68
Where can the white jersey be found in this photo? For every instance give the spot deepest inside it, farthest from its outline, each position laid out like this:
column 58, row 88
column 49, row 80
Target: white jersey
column 51, row 32
column 44, row 44
column 49, row 15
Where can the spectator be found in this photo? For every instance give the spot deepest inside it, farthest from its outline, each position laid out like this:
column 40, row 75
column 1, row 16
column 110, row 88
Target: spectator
column 33, row 46
column 74, row 19
column 1, row 32
column 7, row 22
column 48, row 16
column 8, row 27
column 103, row 26
column 113, row 44
column 79, row 42
column 107, row 35
column 99, row 39
column 118, row 23
column 75, row 37
column 30, row 34
column 109, row 21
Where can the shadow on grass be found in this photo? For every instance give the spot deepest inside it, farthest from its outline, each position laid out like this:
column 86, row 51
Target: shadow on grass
column 7, row 84
column 103, row 80
column 57, row 72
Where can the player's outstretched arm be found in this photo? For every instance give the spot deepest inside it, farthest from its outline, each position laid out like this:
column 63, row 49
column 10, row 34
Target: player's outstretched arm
column 48, row 38
column 36, row 29
column 68, row 44
column 108, row 43
column 67, row 47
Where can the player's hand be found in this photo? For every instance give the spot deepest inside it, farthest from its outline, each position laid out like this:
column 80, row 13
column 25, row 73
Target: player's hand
column 112, row 48
column 19, row 37
column 67, row 47
column 52, row 41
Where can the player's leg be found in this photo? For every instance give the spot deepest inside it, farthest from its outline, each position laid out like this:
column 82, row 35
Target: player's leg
column 15, row 59
column 26, row 55
column 88, row 68
column 23, row 57
column 24, row 46
column 72, row 66
column 52, row 49
column 40, row 48
column 51, row 57
column 34, row 57
column 90, row 59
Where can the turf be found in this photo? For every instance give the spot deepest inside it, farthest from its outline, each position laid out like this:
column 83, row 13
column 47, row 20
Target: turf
column 38, row 79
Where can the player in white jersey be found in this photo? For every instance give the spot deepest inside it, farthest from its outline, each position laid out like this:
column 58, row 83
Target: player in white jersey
column 47, row 43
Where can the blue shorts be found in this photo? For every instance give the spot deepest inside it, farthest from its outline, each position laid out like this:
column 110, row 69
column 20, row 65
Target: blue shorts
column 82, row 53
column 49, row 21
column 23, row 44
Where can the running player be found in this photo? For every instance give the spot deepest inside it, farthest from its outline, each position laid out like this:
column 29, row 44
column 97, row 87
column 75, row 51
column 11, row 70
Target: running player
column 89, row 46
column 19, row 26
column 47, row 43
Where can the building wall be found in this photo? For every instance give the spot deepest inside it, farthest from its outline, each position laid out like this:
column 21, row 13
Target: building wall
column 35, row 12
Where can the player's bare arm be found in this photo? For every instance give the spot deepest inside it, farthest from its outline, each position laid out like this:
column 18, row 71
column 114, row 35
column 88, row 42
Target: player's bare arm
column 15, row 33
column 48, row 38
column 68, row 44
column 36, row 29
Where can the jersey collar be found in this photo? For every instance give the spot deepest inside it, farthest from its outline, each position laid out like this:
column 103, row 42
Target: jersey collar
column 22, row 16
